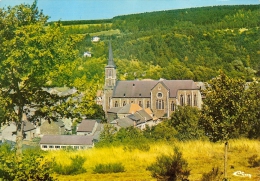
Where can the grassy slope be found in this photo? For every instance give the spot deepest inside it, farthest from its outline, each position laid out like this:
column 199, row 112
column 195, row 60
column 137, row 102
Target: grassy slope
column 201, row 156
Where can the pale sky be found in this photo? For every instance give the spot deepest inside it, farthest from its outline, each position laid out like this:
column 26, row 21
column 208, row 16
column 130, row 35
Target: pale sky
column 106, row 9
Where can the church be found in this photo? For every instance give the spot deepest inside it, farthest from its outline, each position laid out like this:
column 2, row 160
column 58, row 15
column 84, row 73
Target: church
column 161, row 96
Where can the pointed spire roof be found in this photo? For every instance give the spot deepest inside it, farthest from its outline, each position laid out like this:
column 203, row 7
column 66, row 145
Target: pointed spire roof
column 110, row 57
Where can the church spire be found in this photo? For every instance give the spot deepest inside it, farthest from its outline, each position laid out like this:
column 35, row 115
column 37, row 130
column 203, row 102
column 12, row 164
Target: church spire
column 110, row 57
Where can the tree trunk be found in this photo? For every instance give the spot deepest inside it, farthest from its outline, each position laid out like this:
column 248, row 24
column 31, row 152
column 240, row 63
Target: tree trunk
column 19, row 137
column 225, row 161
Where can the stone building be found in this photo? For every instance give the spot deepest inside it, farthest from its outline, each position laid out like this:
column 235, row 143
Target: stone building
column 161, row 96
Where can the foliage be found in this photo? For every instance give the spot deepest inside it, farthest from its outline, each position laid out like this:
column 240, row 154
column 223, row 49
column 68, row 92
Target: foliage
column 254, row 161
column 31, row 166
column 170, row 167
column 214, row 175
column 227, row 111
column 109, row 168
column 32, row 55
column 190, row 43
column 185, row 120
column 74, row 168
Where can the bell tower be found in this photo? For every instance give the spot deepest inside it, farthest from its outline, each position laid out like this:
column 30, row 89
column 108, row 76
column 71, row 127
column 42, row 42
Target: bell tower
column 110, row 70
column 110, row 80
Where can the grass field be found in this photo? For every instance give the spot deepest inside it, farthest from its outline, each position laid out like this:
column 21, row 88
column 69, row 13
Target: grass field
column 202, row 156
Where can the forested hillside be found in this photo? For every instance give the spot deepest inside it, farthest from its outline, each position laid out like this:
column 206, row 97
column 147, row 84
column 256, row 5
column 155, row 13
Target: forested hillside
column 178, row 44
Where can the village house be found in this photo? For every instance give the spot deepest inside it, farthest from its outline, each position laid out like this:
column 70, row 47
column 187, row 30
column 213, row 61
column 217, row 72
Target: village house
column 87, row 127
column 161, row 96
column 56, row 142
column 52, row 128
column 8, row 132
column 95, row 39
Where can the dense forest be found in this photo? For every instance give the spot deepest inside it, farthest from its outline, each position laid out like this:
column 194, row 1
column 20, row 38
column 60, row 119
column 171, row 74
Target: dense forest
column 193, row 43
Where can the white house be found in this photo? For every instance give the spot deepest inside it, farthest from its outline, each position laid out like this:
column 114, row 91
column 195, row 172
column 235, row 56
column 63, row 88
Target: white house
column 56, row 142
column 95, row 39
column 87, row 54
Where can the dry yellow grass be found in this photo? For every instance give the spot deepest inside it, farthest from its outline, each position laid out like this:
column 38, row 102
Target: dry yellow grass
column 202, row 156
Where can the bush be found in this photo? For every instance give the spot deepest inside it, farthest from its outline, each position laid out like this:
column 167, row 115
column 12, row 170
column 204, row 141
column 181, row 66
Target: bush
column 213, row 175
column 30, row 166
column 75, row 167
column 109, row 168
column 254, row 161
column 170, row 167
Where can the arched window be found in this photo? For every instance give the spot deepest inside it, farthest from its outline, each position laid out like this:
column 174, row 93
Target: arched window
column 147, row 104
column 124, row 103
column 189, row 100
column 195, row 100
column 172, row 106
column 109, row 73
column 159, row 104
column 116, row 104
column 182, row 101
column 140, row 104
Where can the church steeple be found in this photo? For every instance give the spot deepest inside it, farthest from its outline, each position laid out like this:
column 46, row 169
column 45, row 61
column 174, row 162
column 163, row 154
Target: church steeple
column 110, row 57
column 110, row 70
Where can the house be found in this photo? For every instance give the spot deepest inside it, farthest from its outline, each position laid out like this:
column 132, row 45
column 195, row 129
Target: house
column 161, row 96
column 56, row 142
column 87, row 127
column 87, row 54
column 95, row 39
column 9, row 131
column 52, row 127
column 132, row 115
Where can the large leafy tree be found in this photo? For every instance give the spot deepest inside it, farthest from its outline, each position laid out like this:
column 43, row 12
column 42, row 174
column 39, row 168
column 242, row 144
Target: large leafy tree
column 185, row 120
column 230, row 109
column 31, row 55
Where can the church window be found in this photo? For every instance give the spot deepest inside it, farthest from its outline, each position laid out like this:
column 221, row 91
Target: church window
column 110, row 73
column 116, row 104
column 140, row 104
column 195, row 100
column 124, row 103
column 159, row 95
column 172, row 106
column 147, row 104
column 182, row 100
column 189, row 100
column 159, row 104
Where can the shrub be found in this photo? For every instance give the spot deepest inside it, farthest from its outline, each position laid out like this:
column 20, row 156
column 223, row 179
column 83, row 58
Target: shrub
column 75, row 167
column 170, row 167
column 254, row 161
column 213, row 175
column 109, row 168
column 30, row 166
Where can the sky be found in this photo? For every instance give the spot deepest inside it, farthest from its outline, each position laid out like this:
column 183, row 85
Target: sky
column 106, row 9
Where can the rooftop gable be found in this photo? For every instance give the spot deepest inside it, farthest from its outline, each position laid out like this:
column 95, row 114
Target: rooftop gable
column 86, row 125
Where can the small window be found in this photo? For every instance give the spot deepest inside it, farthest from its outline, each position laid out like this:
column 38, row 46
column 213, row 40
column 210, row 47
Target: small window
column 159, row 95
column 50, row 146
column 116, row 104
column 140, row 104
column 124, row 103
column 76, row 147
column 57, row 146
column 44, row 146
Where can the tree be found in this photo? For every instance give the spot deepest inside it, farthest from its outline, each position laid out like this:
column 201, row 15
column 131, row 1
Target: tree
column 185, row 120
column 224, row 109
column 30, row 56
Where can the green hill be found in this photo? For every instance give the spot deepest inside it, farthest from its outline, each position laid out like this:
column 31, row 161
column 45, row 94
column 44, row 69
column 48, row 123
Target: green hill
column 190, row 43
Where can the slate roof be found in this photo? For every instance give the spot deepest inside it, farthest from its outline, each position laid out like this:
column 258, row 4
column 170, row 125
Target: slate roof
column 66, row 140
column 86, row 125
column 129, row 109
column 28, row 126
column 111, row 63
column 139, row 88
column 125, row 122
column 114, row 110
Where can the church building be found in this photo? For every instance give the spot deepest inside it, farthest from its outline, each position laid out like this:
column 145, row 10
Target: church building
column 161, row 96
